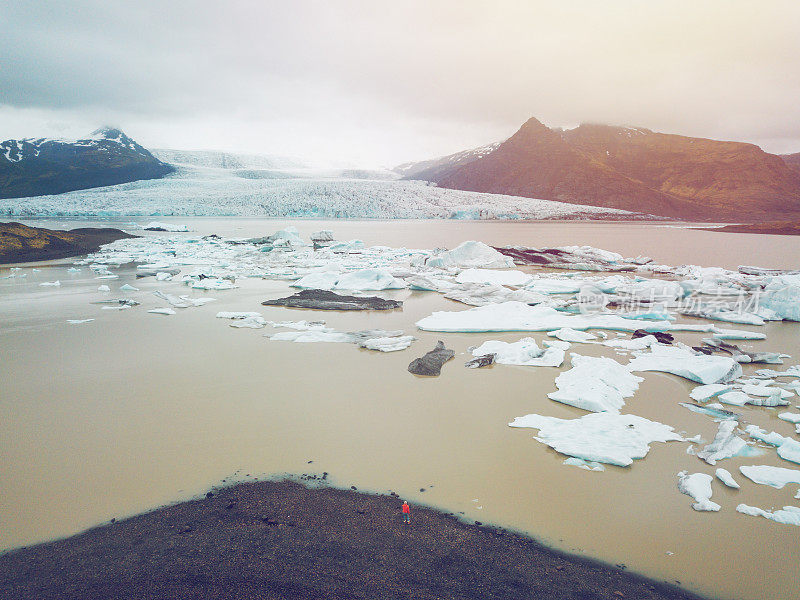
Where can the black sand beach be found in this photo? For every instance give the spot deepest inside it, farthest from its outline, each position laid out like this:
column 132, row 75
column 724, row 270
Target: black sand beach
column 282, row 540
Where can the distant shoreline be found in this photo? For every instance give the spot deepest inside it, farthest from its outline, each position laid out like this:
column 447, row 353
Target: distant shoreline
column 769, row 228
column 272, row 540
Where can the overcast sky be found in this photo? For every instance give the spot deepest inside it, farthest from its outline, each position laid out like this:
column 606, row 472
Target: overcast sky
column 378, row 83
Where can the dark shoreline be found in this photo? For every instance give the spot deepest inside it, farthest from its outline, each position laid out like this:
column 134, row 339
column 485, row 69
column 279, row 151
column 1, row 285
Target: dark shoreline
column 282, row 540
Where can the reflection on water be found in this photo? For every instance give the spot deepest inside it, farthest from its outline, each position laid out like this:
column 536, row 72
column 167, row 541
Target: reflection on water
column 134, row 410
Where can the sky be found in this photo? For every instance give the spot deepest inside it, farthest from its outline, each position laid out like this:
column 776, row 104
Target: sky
column 376, row 83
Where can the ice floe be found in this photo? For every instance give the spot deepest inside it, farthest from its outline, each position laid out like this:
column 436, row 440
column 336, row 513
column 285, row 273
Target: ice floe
column 605, row 437
column 595, row 384
column 162, row 311
column 103, row 288
column 79, row 321
column 703, row 393
column 388, row 344
column 567, row 334
column 582, row 464
column 725, row 477
column 524, row 352
column 470, row 254
column 363, row 280
column 789, row 515
column 725, row 445
column 698, row 486
column 776, row 477
column 508, row 277
column 684, row 363
column 787, row 448
column 50, row 284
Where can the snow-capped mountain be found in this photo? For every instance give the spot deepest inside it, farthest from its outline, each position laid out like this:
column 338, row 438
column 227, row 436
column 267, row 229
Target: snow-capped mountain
column 39, row 166
column 410, row 170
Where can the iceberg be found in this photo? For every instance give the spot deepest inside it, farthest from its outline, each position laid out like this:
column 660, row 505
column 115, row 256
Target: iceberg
column 495, row 277
column 737, row 334
column 595, row 384
column 481, row 294
column 518, row 316
column 698, row 486
column 237, row 315
column 703, row 393
column 787, row 448
column 524, row 352
column 725, row 445
column 128, row 288
column 78, row 321
column 565, row 334
column 684, row 363
column 605, row 437
column 103, row 288
column 776, row 477
column 790, row 417
column 210, row 283
column 470, row 254
column 725, row 477
column 388, row 344
column 790, row 515
column 582, row 464
column 170, row 227
column 160, row 311
column 712, row 410
column 782, row 295
column 50, row 284
column 255, row 322
column 364, row 279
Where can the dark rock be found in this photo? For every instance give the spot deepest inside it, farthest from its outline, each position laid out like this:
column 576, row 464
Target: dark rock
column 352, row 487
column 209, row 494
column 431, row 364
column 480, row 361
column 327, row 300
column 20, row 243
column 661, row 336
column 185, row 529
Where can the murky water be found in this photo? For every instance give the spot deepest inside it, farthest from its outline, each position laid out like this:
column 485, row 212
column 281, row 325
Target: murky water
column 134, row 410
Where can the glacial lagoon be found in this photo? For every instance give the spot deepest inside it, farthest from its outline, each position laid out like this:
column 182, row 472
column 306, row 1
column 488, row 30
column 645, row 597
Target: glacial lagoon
column 132, row 410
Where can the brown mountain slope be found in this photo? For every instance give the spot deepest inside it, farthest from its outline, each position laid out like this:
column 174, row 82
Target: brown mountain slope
column 20, row 243
column 792, row 161
column 633, row 169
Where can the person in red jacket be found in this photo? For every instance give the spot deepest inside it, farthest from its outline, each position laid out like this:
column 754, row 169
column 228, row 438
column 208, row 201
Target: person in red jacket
column 406, row 513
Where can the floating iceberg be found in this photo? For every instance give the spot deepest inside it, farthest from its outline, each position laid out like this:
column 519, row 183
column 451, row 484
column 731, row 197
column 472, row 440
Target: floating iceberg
column 518, row 316
column 470, row 254
column 737, row 334
column 78, row 321
column 103, row 288
column 790, row 515
column 255, row 322
column 161, row 311
column 776, row 477
column 170, row 227
column 50, row 284
column 128, row 288
column 684, row 363
column 566, row 334
column 725, row 445
column 605, row 437
column 703, row 393
column 481, row 294
column 787, row 448
column 210, row 283
column 582, row 464
column 698, row 486
column 510, row 277
column 782, row 295
column 725, row 477
column 524, row 352
column 237, row 315
column 595, row 384
column 388, row 344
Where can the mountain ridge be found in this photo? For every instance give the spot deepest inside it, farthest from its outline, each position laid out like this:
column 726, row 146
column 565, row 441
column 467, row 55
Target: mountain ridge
column 630, row 168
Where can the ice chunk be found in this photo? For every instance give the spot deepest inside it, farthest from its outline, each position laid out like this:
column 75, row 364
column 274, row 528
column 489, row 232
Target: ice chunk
column 737, row 334
column 388, row 344
column 518, row 316
column 776, row 477
column 725, row 445
column 725, row 477
column 605, row 437
column 162, row 311
column 369, row 279
column 712, row 410
column 684, row 363
column 698, row 486
column 544, row 285
column 210, row 283
column 163, row 276
column 639, row 343
column 595, row 384
column 703, row 393
column 50, row 283
column 237, row 315
column 524, row 352
column 78, row 321
column 103, row 288
column 174, row 301
column 510, row 277
column 319, row 281
column 790, row 515
column 312, row 336
column 567, row 334
column 481, row 294
column 128, row 288
column 470, row 254
column 298, row 325
column 254, row 322
column 582, row 464
column 789, row 416
column 766, row 391
column 430, row 283
column 782, row 295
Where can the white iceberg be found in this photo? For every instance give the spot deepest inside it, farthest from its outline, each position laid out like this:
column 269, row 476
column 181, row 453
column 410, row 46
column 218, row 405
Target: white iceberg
column 582, row 464
column 605, row 437
column 566, row 334
column 782, row 295
column 481, row 294
column 685, row 363
column 595, row 384
column 388, row 344
column 103, row 288
column 470, row 254
column 790, row 417
column 255, row 322
column 495, row 277
column 524, row 352
column 790, row 515
column 237, row 315
column 776, row 477
column 725, row 477
column 78, row 321
column 737, row 334
column 211, row 283
column 50, row 284
column 703, row 393
column 698, row 486
column 128, row 288
column 725, row 445
column 162, row 311
column 364, row 279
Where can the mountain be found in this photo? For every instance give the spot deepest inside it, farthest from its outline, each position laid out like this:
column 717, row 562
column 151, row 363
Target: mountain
column 35, row 167
column 436, row 166
column 628, row 168
column 792, row 161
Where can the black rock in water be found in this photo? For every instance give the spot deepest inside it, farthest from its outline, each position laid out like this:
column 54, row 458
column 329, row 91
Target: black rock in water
column 481, row 361
column 326, row 300
column 431, row 363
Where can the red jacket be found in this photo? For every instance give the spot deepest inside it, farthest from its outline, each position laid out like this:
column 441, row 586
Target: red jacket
column 406, row 508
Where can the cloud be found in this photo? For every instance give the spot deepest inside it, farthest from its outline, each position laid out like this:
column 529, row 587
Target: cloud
column 386, row 81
